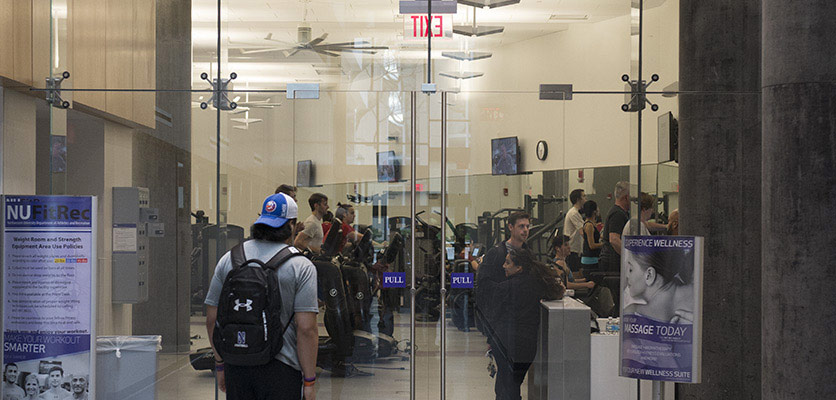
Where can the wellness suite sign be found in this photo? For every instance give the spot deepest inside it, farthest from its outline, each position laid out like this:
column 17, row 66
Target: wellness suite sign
column 661, row 308
column 49, row 264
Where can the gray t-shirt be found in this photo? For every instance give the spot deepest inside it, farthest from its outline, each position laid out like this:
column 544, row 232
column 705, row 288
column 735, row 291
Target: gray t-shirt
column 313, row 228
column 297, row 283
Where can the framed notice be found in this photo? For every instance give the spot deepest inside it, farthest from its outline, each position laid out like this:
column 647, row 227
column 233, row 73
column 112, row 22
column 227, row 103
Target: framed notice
column 49, row 280
column 661, row 308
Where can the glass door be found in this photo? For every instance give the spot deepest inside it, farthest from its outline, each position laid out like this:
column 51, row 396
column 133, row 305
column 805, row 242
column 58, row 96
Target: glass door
column 426, row 129
column 358, row 148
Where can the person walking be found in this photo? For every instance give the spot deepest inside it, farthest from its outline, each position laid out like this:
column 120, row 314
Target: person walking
column 294, row 366
column 490, row 271
column 517, row 324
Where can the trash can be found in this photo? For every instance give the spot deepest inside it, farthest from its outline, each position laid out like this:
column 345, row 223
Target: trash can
column 126, row 367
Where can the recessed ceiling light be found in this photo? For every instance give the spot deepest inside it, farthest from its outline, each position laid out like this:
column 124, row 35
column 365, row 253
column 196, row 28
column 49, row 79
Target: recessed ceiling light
column 484, row 30
column 568, row 17
column 461, row 75
column 466, row 55
column 488, row 3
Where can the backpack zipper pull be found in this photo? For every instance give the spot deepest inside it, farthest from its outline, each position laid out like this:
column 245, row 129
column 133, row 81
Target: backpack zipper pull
column 264, row 318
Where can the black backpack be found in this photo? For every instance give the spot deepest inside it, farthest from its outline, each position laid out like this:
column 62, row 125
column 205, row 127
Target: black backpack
column 248, row 329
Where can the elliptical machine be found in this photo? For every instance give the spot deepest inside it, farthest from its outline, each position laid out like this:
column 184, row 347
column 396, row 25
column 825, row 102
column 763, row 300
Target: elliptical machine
column 345, row 286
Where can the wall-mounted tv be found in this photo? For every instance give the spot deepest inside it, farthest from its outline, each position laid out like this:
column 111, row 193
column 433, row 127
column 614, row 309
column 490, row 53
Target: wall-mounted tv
column 304, row 173
column 668, row 138
column 388, row 167
column 505, row 156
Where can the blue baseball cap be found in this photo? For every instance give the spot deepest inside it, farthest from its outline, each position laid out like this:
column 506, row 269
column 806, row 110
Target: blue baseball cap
column 277, row 209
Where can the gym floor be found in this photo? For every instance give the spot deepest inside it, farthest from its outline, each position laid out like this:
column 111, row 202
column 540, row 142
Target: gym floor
column 467, row 373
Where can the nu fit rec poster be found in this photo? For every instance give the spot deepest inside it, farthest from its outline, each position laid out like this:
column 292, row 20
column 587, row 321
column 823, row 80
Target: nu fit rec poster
column 661, row 308
column 49, row 269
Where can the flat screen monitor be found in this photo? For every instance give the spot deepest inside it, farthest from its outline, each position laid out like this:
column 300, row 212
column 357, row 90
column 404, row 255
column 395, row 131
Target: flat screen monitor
column 505, row 156
column 388, row 167
column 668, row 138
column 304, row 173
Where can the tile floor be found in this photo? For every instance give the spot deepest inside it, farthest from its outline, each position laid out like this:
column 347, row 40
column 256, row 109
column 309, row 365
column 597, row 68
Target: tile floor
column 467, row 375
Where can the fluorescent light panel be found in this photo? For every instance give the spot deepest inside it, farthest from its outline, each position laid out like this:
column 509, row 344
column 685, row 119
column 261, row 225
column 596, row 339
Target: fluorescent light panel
column 488, row 3
column 461, row 75
column 484, row 30
column 568, row 17
column 466, row 55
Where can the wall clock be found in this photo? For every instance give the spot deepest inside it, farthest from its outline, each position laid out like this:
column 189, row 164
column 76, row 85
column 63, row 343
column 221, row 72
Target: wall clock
column 542, row 150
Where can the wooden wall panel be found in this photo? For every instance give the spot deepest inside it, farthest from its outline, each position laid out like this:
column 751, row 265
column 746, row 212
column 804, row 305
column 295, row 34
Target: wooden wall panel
column 88, row 47
column 108, row 44
column 22, row 14
column 144, row 61
column 40, row 43
column 7, row 66
column 119, row 53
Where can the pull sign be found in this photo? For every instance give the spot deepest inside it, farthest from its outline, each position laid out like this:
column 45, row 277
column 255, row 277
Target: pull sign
column 418, row 26
column 461, row 280
column 394, row 279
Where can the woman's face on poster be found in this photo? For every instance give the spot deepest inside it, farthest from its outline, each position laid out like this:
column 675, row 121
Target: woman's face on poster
column 31, row 385
column 636, row 280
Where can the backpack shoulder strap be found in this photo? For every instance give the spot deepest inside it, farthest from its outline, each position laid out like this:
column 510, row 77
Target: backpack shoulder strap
column 237, row 255
column 282, row 256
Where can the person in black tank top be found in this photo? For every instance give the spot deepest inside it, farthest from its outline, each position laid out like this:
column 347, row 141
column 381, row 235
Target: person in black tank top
column 591, row 245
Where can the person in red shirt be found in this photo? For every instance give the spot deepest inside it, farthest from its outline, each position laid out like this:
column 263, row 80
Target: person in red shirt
column 345, row 214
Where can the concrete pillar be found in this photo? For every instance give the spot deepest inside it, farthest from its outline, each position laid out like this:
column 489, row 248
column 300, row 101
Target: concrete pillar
column 162, row 159
column 799, row 196
column 720, row 169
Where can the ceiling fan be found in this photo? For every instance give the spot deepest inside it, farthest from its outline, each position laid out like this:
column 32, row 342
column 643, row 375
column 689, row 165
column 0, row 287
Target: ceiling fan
column 245, row 106
column 318, row 45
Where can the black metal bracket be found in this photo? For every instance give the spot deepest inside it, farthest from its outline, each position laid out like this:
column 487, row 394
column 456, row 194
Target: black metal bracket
column 53, row 91
column 220, row 98
column 637, row 99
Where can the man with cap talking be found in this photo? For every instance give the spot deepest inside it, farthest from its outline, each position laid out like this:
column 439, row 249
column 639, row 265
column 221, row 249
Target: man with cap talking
column 293, row 371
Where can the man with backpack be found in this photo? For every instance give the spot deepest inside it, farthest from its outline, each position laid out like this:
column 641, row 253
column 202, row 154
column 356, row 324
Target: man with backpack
column 261, row 312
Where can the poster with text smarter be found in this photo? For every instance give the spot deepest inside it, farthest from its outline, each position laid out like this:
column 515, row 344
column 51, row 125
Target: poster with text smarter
column 48, row 292
column 661, row 308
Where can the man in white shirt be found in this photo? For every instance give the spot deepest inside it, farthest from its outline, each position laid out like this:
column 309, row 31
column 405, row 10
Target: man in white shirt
column 311, row 237
column 573, row 228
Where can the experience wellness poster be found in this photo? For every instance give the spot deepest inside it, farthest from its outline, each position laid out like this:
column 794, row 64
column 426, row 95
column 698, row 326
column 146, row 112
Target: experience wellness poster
column 49, row 264
column 661, row 308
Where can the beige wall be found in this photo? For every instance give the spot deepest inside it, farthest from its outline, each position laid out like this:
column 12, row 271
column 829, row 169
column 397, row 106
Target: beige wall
column 113, row 319
column 17, row 133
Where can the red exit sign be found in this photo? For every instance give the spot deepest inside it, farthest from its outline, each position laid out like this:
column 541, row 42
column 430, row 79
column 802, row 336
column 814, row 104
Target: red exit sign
column 419, row 27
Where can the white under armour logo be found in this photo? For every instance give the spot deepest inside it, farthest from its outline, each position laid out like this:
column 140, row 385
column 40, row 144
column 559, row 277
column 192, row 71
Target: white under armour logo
column 239, row 304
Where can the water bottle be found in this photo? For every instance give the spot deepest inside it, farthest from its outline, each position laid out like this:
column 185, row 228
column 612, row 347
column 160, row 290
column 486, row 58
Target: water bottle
column 612, row 328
